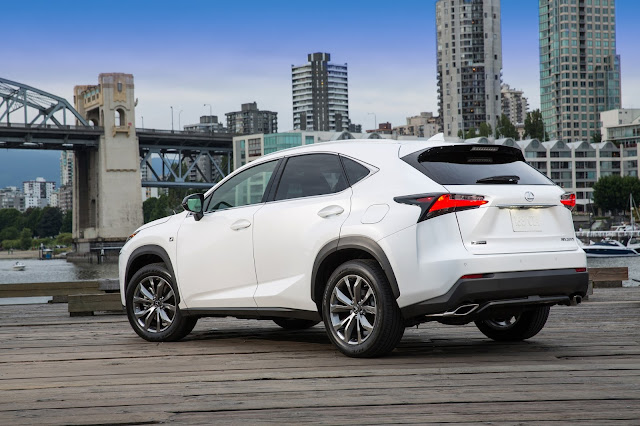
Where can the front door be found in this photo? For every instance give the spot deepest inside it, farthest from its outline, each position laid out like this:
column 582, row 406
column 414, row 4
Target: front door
column 215, row 267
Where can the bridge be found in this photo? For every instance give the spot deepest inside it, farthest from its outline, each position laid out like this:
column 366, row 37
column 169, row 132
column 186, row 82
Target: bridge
column 113, row 158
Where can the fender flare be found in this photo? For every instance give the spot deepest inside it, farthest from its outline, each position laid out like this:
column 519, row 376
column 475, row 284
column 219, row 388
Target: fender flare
column 360, row 243
column 150, row 249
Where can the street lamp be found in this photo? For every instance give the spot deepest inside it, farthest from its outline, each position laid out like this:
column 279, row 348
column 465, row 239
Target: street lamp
column 179, row 126
column 142, row 116
column 171, row 118
column 375, row 120
column 210, row 109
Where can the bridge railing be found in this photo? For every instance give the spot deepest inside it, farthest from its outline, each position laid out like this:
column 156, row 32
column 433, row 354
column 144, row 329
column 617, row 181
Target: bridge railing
column 49, row 126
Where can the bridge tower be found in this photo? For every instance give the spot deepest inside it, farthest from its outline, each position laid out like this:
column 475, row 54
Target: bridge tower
column 106, row 181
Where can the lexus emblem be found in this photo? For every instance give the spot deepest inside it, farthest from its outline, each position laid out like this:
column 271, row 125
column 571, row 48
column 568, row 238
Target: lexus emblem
column 528, row 196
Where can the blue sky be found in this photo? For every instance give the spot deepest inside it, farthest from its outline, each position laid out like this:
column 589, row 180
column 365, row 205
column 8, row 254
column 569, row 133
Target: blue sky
column 185, row 54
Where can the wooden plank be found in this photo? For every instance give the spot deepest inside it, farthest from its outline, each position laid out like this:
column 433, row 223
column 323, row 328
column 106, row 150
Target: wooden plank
column 87, row 304
column 47, row 289
column 583, row 367
column 609, row 274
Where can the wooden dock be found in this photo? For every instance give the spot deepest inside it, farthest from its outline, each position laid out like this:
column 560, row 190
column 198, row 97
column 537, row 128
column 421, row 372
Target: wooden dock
column 583, row 367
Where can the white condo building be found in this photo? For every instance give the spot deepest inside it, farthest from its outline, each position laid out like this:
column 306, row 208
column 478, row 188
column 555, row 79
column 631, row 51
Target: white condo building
column 37, row 193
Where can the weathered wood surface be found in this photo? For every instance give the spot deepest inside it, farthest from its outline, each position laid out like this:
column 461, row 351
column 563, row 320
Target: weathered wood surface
column 609, row 274
column 583, row 367
column 48, row 289
column 88, row 304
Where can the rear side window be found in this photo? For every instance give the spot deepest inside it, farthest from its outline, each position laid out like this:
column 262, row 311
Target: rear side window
column 310, row 175
column 355, row 171
column 476, row 164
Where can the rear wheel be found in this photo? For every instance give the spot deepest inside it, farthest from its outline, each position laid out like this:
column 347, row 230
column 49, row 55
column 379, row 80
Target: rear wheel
column 360, row 313
column 515, row 327
column 294, row 324
column 152, row 306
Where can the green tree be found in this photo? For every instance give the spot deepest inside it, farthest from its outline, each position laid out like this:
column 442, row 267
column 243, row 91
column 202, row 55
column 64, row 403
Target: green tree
column 506, row 129
column 25, row 239
column 64, row 239
column 471, row 133
column 11, row 217
column 67, row 222
column 460, row 134
column 32, row 217
column 50, row 222
column 596, row 137
column 534, row 126
column 485, row 130
column 9, row 233
column 611, row 193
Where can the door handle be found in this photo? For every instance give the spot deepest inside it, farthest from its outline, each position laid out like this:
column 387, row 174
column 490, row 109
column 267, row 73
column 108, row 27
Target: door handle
column 330, row 211
column 240, row 224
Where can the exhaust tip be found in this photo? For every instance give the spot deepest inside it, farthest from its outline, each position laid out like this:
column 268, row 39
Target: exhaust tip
column 576, row 300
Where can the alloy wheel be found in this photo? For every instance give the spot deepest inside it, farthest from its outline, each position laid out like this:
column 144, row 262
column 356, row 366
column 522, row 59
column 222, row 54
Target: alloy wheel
column 353, row 309
column 154, row 304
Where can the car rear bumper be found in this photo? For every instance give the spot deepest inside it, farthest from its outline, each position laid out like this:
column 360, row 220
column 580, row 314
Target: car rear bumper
column 503, row 290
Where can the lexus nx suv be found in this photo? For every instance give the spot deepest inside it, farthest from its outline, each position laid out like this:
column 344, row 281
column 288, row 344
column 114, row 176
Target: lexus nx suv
column 368, row 237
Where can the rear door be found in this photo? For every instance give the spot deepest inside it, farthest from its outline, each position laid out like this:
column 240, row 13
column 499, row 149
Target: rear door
column 524, row 212
column 309, row 205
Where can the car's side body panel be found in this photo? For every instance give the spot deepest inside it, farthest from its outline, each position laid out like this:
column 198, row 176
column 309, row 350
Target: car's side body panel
column 284, row 254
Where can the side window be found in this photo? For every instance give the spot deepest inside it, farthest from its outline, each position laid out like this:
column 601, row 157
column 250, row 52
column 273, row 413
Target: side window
column 309, row 175
column 243, row 189
column 355, row 171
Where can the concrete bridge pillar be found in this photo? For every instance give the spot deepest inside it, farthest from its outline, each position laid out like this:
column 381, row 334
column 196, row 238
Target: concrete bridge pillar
column 107, row 205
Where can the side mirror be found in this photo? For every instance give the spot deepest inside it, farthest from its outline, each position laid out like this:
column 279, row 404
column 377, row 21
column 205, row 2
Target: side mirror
column 193, row 203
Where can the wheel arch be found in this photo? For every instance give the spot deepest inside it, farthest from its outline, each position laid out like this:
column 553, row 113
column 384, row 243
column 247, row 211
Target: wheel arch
column 146, row 255
column 338, row 251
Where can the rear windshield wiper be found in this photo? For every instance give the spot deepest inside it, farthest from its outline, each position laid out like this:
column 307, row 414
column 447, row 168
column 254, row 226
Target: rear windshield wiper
column 500, row 179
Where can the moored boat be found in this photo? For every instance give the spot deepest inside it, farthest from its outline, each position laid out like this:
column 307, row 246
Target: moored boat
column 608, row 248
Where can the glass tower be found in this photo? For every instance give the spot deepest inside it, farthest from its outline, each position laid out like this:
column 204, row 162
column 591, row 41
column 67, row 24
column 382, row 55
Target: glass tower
column 579, row 67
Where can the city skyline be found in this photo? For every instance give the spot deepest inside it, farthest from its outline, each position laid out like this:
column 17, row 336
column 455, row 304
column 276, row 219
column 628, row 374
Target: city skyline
column 207, row 54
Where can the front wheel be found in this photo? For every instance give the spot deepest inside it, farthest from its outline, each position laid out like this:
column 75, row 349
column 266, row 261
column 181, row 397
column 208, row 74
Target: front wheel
column 509, row 328
column 152, row 306
column 360, row 314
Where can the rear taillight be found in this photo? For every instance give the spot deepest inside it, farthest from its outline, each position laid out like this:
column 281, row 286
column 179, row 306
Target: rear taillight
column 433, row 205
column 568, row 200
column 581, row 269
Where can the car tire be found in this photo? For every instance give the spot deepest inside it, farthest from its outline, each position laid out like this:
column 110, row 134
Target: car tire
column 152, row 308
column 516, row 327
column 360, row 314
column 294, row 323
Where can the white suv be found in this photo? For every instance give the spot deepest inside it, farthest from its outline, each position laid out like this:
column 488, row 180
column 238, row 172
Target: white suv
column 369, row 237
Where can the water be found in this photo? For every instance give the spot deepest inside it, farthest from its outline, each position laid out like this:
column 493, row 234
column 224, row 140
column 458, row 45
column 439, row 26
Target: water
column 56, row 270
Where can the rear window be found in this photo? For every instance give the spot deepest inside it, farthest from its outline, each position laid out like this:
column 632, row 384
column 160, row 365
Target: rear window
column 476, row 164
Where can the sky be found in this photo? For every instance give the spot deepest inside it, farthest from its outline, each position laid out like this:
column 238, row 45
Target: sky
column 190, row 53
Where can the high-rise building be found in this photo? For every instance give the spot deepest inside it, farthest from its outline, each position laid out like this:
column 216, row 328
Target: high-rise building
column 514, row 105
column 37, row 193
column 66, row 168
column 320, row 94
column 251, row 120
column 469, row 53
column 579, row 67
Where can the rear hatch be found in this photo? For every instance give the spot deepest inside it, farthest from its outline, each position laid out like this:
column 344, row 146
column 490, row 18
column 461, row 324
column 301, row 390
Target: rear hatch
column 523, row 210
